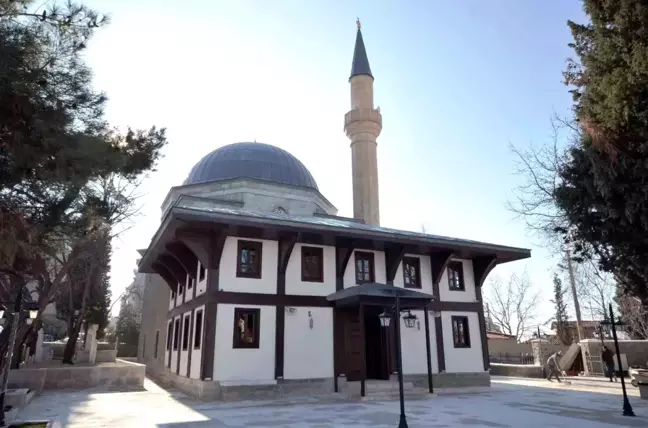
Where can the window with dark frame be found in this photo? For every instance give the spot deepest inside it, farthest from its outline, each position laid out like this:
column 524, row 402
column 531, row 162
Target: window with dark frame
column 169, row 335
column 312, row 264
column 191, row 283
column 364, row 267
column 456, row 276
column 180, row 289
column 412, row 272
column 198, row 329
column 185, row 333
column 173, row 296
column 176, row 334
column 157, row 342
column 246, row 327
column 460, row 332
column 201, row 272
column 249, row 259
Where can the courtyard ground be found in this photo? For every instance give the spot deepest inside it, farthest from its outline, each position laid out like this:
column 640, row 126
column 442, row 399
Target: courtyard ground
column 523, row 403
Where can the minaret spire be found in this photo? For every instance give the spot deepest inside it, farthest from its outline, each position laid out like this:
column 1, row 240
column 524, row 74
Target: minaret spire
column 360, row 65
column 362, row 125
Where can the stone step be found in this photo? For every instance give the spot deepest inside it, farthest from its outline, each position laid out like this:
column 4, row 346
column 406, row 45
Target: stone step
column 386, row 386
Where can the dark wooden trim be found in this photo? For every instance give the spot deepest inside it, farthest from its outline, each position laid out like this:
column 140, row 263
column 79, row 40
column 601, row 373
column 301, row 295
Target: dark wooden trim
column 190, row 344
column 209, row 341
column 201, row 326
column 428, row 351
column 257, row 247
column 449, row 306
column 179, row 251
column 438, row 334
column 482, row 329
column 215, row 245
column 342, row 257
column 236, row 342
column 174, row 267
column 285, row 249
column 364, row 351
column 439, row 263
column 318, row 253
column 190, row 305
column 180, row 318
column 482, row 266
column 169, row 344
column 393, row 257
column 416, row 262
column 161, row 270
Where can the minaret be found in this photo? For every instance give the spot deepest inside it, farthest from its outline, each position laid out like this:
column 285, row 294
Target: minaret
column 363, row 125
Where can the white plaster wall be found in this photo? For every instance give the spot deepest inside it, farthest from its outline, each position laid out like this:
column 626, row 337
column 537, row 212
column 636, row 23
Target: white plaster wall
column 308, row 353
column 294, row 284
column 459, row 296
column 413, row 346
column 462, row 359
column 166, row 348
column 184, row 355
column 179, row 296
column 201, row 286
column 189, row 291
column 196, row 353
column 244, row 366
column 174, row 352
column 426, row 274
column 379, row 268
column 266, row 284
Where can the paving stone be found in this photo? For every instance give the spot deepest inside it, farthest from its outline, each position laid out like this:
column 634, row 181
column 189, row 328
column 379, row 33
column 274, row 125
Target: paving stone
column 509, row 403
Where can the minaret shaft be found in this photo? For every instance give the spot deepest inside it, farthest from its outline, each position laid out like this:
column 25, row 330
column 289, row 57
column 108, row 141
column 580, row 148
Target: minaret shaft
column 362, row 125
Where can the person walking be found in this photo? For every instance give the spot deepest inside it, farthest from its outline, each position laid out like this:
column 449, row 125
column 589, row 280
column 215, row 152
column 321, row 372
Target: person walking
column 553, row 366
column 608, row 359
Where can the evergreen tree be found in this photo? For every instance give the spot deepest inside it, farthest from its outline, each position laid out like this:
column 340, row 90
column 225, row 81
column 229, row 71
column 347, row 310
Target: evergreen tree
column 604, row 189
column 563, row 333
column 128, row 323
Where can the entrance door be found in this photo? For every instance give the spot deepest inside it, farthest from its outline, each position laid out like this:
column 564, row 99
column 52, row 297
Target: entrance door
column 377, row 342
column 353, row 345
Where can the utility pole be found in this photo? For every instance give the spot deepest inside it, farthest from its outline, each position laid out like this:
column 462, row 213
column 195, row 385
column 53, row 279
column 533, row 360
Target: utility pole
column 579, row 327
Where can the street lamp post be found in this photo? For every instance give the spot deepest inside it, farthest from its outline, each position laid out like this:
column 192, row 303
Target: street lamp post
column 627, row 408
column 410, row 320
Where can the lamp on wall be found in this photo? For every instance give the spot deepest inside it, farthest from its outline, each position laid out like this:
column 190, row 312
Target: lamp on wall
column 410, row 319
column 310, row 320
column 436, row 314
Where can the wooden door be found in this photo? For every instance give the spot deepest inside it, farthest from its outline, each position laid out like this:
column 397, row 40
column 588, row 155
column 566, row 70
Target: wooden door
column 354, row 346
column 389, row 349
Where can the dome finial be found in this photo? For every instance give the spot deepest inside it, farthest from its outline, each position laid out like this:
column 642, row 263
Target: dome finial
column 358, row 23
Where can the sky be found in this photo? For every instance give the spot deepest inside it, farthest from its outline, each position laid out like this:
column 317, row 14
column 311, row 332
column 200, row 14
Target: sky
column 456, row 82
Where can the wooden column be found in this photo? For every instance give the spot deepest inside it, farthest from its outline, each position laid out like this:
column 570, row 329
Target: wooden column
column 393, row 257
column 343, row 252
column 285, row 246
column 428, row 352
column 190, row 341
column 364, row 351
column 439, row 263
column 482, row 266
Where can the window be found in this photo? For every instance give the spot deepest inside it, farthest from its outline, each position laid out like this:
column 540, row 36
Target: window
column 412, row 272
column 169, row 335
column 173, row 296
column 190, row 283
column 364, row 267
column 157, row 342
column 456, row 277
column 201, row 272
column 249, row 259
column 198, row 329
column 185, row 334
column 460, row 332
column 246, row 328
column 176, row 334
column 180, row 289
column 312, row 264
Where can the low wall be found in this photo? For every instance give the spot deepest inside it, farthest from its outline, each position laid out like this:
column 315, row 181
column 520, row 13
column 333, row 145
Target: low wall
column 508, row 347
column 516, row 370
column 109, row 356
column 636, row 351
column 122, row 373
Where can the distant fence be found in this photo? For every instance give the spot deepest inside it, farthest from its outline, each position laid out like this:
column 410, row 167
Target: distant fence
column 511, row 358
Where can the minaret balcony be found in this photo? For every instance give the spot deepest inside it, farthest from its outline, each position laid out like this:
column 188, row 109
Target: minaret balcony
column 363, row 118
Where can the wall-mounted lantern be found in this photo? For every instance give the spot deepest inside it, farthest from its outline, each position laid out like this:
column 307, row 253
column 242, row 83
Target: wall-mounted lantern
column 410, row 319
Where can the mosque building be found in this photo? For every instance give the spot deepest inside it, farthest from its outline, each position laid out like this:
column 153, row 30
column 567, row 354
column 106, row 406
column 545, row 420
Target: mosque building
column 256, row 285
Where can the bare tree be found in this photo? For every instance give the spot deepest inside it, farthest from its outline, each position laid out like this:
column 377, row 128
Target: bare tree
column 595, row 289
column 635, row 315
column 539, row 169
column 513, row 304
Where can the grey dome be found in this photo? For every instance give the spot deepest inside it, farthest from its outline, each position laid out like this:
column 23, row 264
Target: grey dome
column 251, row 160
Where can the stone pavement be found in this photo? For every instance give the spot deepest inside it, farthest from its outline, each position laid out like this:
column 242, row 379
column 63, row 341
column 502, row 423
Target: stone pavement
column 509, row 403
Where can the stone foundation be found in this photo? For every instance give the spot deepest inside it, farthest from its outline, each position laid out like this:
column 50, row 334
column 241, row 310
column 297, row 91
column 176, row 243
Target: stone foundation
column 119, row 374
column 517, row 370
column 215, row 391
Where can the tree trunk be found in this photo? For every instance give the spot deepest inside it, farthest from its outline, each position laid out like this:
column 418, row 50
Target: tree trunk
column 70, row 347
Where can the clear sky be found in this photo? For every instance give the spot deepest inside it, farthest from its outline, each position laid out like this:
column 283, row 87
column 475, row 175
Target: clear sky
column 456, row 82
